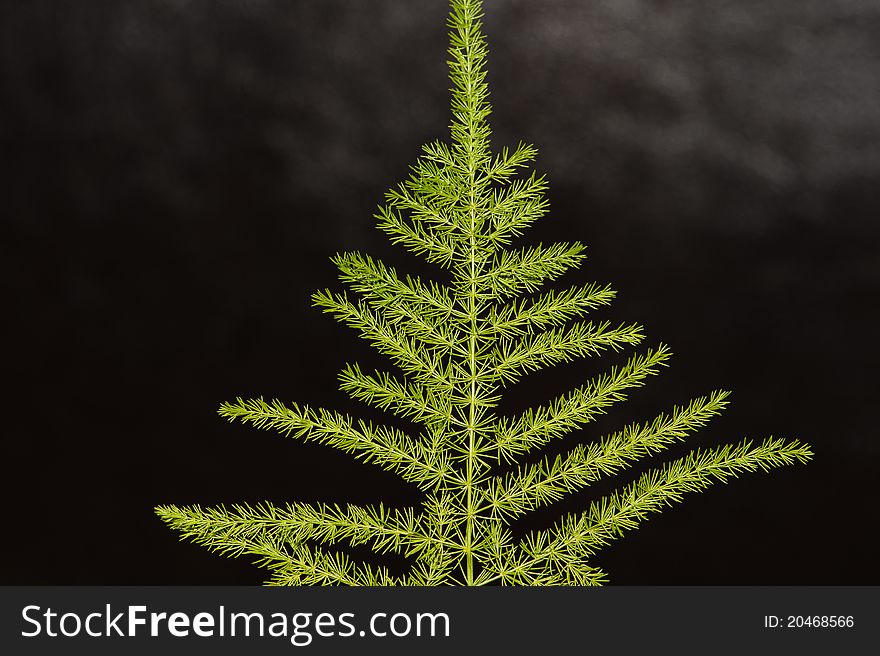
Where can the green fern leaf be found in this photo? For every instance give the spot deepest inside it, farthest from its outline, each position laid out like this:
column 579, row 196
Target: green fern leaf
column 458, row 346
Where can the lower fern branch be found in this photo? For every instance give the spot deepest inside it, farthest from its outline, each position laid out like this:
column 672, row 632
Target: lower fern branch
column 306, row 565
column 244, row 529
column 517, row 567
column 579, row 536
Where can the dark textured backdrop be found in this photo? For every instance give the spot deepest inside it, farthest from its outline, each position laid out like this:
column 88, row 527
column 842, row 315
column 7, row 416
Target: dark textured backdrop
column 177, row 172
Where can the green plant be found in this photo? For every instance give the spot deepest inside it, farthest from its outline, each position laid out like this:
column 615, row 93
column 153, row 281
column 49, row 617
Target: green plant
column 459, row 345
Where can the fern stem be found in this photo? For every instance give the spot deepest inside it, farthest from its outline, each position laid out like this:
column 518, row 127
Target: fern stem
column 472, row 311
column 472, row 73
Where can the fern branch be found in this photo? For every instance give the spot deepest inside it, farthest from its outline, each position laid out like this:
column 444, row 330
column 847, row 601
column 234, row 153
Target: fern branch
column 292, row 563
column 406, row 399
column 439, row 153
column 437, row 248
column 430, row 197
column 388, row 448
column 510, row 565
column 507, row 163
column 549, row 309
column 514, row 272
column 421, row 362
column 513, row 209
column 437, row 565
column 579, row 536
column 537, row 426
column 307, row 565
column 235, row 530
column 513, row 358
column 550, row 480
column 422, row 311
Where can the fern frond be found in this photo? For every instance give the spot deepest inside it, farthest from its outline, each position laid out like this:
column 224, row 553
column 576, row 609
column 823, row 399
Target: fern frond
column 536, row 427
column 515, row 272
column 435, row 247
column 507, row 163
column 457, row 346
column 308, row 565
column 237, row 529
column 440, row 154
column 386, row 447
column 430, row 200
column 513, row 358
column 423, row 311
column 579, row 536
column 514, row 208
column 384, row 335
column 549, row 309
column 551, row 480
column 406, row 399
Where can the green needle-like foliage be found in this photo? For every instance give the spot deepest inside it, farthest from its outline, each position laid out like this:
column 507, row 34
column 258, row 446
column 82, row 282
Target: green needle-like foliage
column 456, row 347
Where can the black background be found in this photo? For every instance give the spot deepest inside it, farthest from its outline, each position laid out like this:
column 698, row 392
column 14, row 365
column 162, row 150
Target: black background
column 176, row 174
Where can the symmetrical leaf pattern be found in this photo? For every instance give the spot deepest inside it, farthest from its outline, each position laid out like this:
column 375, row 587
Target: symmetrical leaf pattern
column 456, row 347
